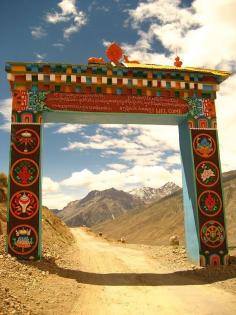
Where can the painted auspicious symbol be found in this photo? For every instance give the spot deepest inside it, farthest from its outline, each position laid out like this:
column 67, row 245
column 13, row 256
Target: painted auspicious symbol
column 24, row 205
column 26, row 141
column 207, row 173
column 204, row 145
column 209, row 203
column 195, row 107
column 37, row 101
column 24, row 172
column 212, row 234
column 23, row 239
column 209, row 108
column 20, row 101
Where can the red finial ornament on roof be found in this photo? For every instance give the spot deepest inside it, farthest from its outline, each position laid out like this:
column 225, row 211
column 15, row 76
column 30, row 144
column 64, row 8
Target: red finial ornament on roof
column 114, row 53
column 178, row 63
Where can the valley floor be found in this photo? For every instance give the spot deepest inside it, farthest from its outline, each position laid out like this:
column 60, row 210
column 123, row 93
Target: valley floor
column 122, row 280
column 96, row 276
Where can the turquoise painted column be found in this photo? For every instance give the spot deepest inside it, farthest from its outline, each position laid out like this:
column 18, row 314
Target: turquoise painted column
column 191, row 220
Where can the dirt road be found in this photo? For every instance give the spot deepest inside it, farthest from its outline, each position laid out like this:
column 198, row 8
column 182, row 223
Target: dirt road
column 117, row 281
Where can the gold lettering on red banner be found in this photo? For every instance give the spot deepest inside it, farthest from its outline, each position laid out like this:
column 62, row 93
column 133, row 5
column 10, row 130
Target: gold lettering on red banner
column 116, row 103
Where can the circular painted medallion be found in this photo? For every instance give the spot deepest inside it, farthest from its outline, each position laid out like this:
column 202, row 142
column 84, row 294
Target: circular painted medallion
column 26, row 141
column 204, row 145
column 207, row 173
column 23, row 239
column 212, row 234
column 209, row 203
column 24, row 205
column 24, row 172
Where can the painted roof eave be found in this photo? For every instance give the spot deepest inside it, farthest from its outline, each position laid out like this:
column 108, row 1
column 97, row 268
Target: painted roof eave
column 219, row 73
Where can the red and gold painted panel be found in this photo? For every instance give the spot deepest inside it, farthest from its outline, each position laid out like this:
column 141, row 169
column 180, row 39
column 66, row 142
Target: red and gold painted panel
column 24, row 201
column 116, row 103
column 212, row 233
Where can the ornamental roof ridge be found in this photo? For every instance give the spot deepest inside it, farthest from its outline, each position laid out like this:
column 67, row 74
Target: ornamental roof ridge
column 221, row 73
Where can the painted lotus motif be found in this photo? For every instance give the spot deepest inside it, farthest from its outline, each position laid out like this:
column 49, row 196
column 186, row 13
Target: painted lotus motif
column 207, row 173
column 23, row 239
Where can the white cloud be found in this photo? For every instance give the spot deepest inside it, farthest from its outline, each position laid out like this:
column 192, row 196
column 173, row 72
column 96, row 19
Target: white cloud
column 117, row 166
column 69, row 128
column 163, row 136
column 5, row 112
column 68, row 9
column 101, row 143
column 49, row 185
column 142, row 145
column 108, row 153
column 49, row 125
column 40, row 57
column 153, row 176
column 106, row 43
column 226, row 112
column 103, row 8
column 196, row 32
column 54, row 196
column 98, row 6
column 57, row 200
column 113, row 126
column 60, row 46
column 38, row 32
column 68, row 13
column 173, row 159
column 79, row 21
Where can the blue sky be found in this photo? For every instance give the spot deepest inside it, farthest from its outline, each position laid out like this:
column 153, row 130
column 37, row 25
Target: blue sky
column 79, row 158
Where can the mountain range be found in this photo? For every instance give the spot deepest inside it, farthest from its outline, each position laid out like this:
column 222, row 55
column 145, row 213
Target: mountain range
column 156, row 222
column 109, row 204
column 149, row 194
column 99, row 206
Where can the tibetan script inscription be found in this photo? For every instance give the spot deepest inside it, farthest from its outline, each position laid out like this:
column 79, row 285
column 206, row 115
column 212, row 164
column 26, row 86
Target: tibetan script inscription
column 116, row 103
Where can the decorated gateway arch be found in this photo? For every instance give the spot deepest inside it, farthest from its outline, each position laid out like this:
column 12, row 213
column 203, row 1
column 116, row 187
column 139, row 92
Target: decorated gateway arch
column 118, row 92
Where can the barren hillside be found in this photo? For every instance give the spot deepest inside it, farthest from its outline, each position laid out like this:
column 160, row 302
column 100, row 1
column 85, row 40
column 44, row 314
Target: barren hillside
column 99, row 206
column 164, row 218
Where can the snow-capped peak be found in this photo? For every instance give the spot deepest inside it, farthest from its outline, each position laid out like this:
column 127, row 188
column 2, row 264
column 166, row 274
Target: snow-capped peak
column 148, row 194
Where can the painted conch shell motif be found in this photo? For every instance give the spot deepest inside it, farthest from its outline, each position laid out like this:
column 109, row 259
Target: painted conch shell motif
column 24, row 204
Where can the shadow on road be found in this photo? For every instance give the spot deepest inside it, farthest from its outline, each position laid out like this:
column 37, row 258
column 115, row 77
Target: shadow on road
column 186, row 277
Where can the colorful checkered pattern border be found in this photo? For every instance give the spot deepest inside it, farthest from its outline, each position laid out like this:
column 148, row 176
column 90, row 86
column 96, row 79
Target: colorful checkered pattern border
column 105, row 79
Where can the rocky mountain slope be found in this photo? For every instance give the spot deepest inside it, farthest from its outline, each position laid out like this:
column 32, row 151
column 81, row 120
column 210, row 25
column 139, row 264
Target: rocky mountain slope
column 3, row 187
column 56, row 235
column 99, row 206
column 155, row 223
column 149, row 194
